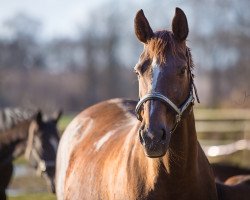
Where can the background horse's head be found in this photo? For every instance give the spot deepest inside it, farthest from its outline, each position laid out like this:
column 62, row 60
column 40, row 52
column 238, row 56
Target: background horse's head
column 42, row 146
column 165, row 81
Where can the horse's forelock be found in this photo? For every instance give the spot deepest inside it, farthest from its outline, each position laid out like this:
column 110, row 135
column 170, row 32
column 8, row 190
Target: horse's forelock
column 164, row 42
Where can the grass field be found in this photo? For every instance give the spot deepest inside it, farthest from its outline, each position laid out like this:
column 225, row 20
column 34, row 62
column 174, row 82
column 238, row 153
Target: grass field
column 64, row 121
column 34, row 197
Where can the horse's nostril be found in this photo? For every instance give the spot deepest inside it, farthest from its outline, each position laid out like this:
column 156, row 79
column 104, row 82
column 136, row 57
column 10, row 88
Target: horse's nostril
column 142, row 126
column 164, row 135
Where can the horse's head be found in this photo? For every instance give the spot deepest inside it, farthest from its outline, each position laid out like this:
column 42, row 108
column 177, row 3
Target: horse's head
column 42, row 146
column 165, row 82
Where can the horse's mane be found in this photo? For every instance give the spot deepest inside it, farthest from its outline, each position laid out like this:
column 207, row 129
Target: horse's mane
column 163, row 42
column 18, row 132
column 11, row 117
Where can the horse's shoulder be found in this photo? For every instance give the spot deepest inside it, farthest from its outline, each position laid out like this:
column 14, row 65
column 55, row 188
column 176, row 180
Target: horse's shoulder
column 106, row 112
column 115, row 106
column 99, row 120
column 95, row 125
column 113, row 110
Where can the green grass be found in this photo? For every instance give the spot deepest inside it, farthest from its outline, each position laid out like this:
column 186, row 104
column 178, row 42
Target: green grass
column 20, row 160
column 64, row 121
column 34, row 197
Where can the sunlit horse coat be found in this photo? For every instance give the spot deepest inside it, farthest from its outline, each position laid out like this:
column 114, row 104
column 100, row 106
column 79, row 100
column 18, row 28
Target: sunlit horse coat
column 106, row 153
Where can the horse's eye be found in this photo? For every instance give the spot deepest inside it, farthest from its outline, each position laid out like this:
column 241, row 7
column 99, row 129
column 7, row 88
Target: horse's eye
column 136, row 72
column 183, row 70
column 141, row 67
column 145, row 65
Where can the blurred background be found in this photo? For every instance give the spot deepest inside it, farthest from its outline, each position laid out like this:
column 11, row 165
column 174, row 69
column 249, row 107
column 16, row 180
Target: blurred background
column 72, row 54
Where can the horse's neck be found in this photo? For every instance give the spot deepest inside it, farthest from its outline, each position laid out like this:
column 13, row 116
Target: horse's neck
column 185, row 166
column 173, row 167
column 12, row 117
column 183, row 149
column 179, row 167
column 15, row 139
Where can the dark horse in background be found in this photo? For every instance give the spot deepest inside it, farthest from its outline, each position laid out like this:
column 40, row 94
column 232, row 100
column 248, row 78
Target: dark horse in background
column 30, row 132
column 106, row 153
column 224, row 171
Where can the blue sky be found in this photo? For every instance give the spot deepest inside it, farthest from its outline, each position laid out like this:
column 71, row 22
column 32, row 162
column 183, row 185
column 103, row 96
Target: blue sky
column 58, row 17
column 62, row 17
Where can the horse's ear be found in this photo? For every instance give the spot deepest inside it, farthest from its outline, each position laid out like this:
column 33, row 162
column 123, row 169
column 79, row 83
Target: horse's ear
column 143, row 30
column 38, row 117
column 57, row 115
column 180, row 25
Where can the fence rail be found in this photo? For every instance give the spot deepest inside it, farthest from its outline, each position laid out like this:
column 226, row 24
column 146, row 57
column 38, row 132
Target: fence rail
column 224, row 132
column 227, row 149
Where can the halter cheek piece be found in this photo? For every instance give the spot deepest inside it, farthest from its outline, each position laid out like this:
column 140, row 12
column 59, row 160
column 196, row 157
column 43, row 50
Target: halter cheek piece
column 43, row 165
column 158, row 96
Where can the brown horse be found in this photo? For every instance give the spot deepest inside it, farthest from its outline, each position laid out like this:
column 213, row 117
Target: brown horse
column 223, row 171
column 233, row 182
column 105, row 153
column 28, row 132
column 239, row 179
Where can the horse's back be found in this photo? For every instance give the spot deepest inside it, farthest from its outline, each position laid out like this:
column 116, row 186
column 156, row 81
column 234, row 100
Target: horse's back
column 95, row 137
column 232, row 192
column 10, row 117
column 14, row 123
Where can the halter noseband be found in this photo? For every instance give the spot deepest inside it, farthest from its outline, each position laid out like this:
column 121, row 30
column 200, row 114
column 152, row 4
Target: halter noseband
column 166, row 100
column 158, row 96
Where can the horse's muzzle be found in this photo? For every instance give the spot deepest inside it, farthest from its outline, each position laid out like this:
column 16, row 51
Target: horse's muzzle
column 155, row 143
column 51, row 185
column 50, row 181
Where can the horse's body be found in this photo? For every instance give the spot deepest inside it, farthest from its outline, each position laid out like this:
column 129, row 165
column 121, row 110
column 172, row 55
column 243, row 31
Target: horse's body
column 222, row 172
column 238, row 179
column 239, row 191
column 14, row 125
column 10, row 117
column 17, row 126
column 232, row 182
column 103, row 159
column 105, row 153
